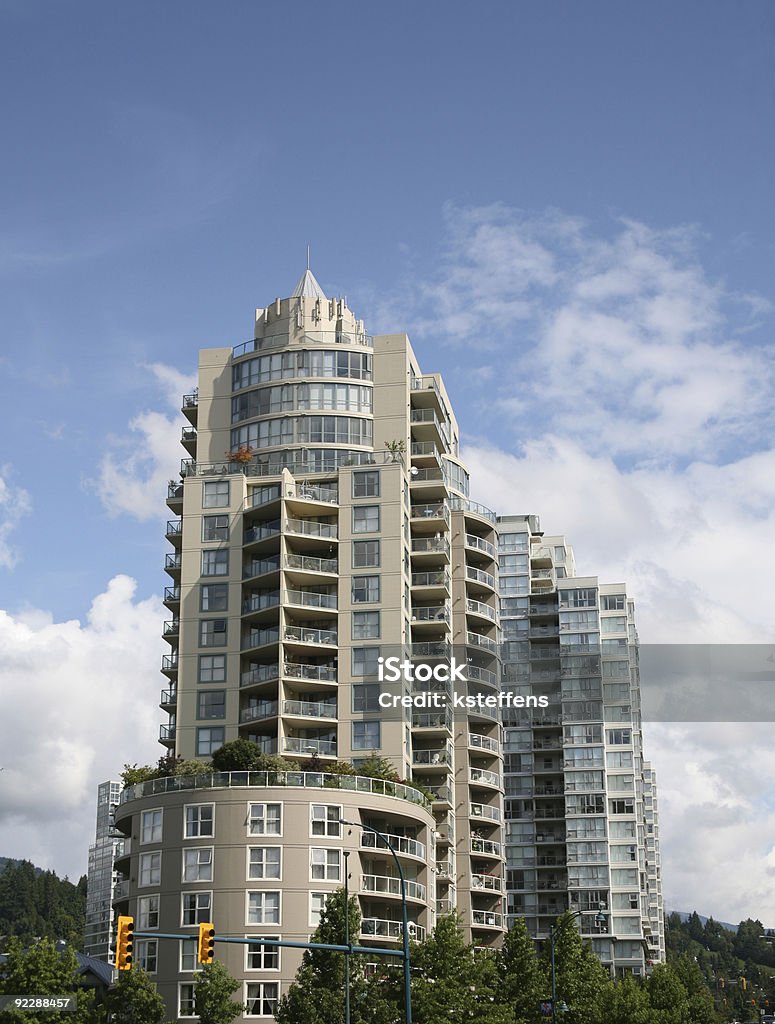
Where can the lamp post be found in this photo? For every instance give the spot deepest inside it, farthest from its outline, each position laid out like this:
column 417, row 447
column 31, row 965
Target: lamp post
column 404, row 913
column 554, row 932
column 346, row 938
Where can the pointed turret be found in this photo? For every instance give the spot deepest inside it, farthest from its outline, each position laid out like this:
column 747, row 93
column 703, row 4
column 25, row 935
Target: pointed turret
column 308, row 287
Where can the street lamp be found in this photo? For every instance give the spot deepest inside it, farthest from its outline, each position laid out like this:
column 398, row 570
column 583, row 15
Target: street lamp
column 554, row 932
column 404, row 914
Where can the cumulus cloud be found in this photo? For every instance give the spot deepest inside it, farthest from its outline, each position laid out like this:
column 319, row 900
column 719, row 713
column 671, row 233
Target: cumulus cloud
column 134, row 472
column 15, row 503
column 79, row 700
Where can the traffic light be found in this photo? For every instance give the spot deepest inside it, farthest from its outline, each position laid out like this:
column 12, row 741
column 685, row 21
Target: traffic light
column 744, row 983
column 125, row 942
column 206, row 942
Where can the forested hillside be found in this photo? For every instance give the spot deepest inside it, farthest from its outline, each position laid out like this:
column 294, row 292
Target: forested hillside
column 35, row 902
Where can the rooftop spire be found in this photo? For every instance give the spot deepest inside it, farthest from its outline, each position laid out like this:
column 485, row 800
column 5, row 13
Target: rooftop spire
column 308, row 286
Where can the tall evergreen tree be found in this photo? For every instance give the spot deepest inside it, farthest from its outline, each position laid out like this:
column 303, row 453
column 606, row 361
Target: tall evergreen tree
column 43, row 970
column 134, row 1000
column 524, row 982
column 581, row 978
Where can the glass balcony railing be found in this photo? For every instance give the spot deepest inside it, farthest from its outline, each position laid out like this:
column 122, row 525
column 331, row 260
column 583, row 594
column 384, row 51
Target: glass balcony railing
column 481, row 776
column 325, row 673
column 430, row 579
column 259, row 674
column 326, row 637
column 266, row 709
column 433, row 510
column 489, row 882
column 259, row 637
column 435, row 649
column 310, row 709
column 376, row 927
column 401, row 844
column 436, row 613
column 430, row 546
column 262, row 532
column 312, row 600
column 311, row 528
column 484, row 811
column 485, row 847
column 472, row 541
column 311, row 564
column 479, row 576
column 431, row 757
column 480, row 608
column 260, row 602
column 258, row 567
column 487, row 918
column 477, row 640
column 310, row 745
column 481, row 675
column 475, row 739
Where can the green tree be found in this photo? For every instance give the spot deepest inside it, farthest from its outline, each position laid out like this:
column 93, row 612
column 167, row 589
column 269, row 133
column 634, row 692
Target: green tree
column 43, row 970
column 213, row 995
column 668, row 997
column 134, row 1000
column 581, row 978
column 626, row 1002
column 451, row 982
column 701, row 1008
column 317, row 994
column 524, row 983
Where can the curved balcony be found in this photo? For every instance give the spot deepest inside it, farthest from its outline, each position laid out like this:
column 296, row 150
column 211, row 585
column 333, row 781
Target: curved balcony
column 482, row 610
column 484, row 811
column 489, row 883
column 479, row 742
column 484, row 546
column 480, row 578
column 390, row 885
column 481, row 675
column 483, row 777
column 486, row 848
column 473, row 508
column 379, row 928
column 402, row 845
column 486, row 919
column 482, row 642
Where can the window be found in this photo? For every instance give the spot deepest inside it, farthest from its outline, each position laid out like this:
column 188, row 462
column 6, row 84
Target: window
column 559, row 553
column 366, row 519
column 196, row 908
column 215, row 527
column 366, row 554
column 365, row 589
column 186, row 995
column 366, row 696
column 147, row 913
column 189, row 958
column 581, row 598
column 215, row 494
column 366, row 736
column 365, row 625
column 265, row 820
column 198, row 864
column 365, row 661
column 263, row 958
column 622, row 806
column 150, row 869
column 212, row 633
column 263, row 907
column 212, row 704
column 325, row 820
column 150, row 828
column 215, row 562
column 613, row 624
column 324, row 865
column 618, row 646
column 212, row 668
column 261, row 998
column 618, row 737
column 317, row 904
column 264, row 862
column 612, row 602
column 199, row 821
column 208, row 741
column 214, row 597
column 366, row 484
column 146, row 954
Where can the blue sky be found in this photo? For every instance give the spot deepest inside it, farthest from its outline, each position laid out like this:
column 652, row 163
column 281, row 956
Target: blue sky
column 567, row 206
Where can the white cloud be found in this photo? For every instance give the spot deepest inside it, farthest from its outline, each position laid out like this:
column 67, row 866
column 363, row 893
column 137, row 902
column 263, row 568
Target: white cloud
column 14, row 505
column 133, row 475
column 79, row 700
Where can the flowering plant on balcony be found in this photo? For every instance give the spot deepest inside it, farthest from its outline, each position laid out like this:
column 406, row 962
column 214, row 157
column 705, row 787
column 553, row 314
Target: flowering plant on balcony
column 242, row 454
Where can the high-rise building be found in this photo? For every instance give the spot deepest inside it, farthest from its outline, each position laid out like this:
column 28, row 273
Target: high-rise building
column 101, row 877
column 322, row 522
column 580, row 805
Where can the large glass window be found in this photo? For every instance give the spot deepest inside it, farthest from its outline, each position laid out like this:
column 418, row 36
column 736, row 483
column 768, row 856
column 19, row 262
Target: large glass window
column 150, row 869
column 211, row 704
column 365, row 625
column 208, row 740
column 212, row 633
column 366, row 483
column 215, row 527
column 325, row 865
column 366, row 735
column 263, row 907
column 366, row 519
column 199, row 821
column 365, row 661
column 213, row 597
column 212, row 668
column 264, row 862
column 151, row 826
column 366, row 554
column 147, row 912
column 261, row 957
column 186, row 1006
column 215, row 562
column 261, row 998
column 196, row 908
column 366, row 696
column 215, row 494
column 365, row 589
column 325, row 820
column 198, row 864
column 265, row 820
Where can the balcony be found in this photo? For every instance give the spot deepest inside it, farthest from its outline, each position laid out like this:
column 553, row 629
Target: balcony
column 320, row 673
column 401, row 844
column 260, row 637
column 436, row 578
column 311, row 528
column 481, row 609
column 432, row 513
column 432, row 758
column 481, row 675
column 433, row 614
column 327, row 494
column 486, row 919
column 121, row 890
column 542, row 580
column 188, row 440
column 175, row 496
column 432, row 721
column 319, row 637
column 484, row 811
column 390, row 885
column 473, row 508
column 310, row 709
column 171, row 596
column 260, row 567
column 261, row 601
column 257, row 712
column 259, row 674
column 310, row 745
column 311, row 600
column 490, row 883
column 167, row 735
column 168, row 698
column 174, row 531
column 480, row 742
column 171, row 627
column 445, row 869
column 436, row 546
column 472, row 541
column 309, row 563
column 169, row 664
column 483, row 642
column 264, row 531
column 379, row 928
column 430, row 650
column 173, row 563
column 482, row 777
column 486, row 848
column 190, row 406
column 479, row 577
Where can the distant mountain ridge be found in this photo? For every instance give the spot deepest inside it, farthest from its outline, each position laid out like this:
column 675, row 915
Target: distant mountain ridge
column 685, row 917
column 35, row 902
